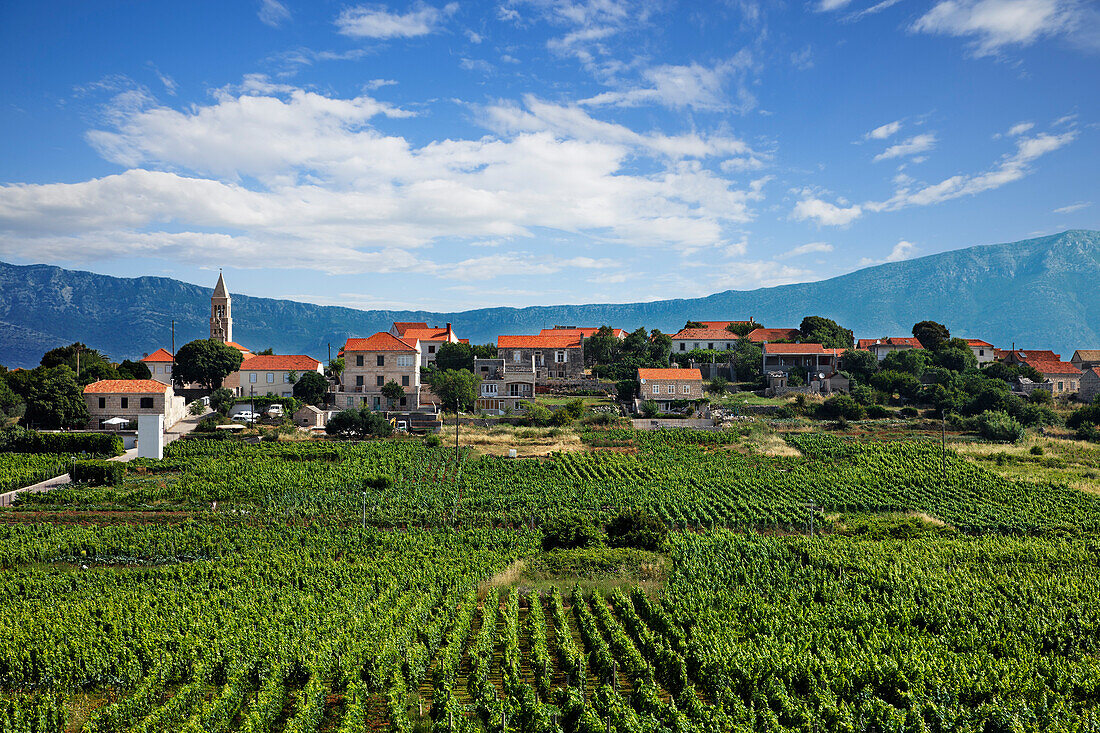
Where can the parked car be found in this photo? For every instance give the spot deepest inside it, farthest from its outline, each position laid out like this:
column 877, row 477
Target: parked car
column 245, row 416
column 275, row 410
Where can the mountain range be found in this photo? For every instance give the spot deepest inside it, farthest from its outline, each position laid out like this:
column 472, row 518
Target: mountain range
column 1039, row 293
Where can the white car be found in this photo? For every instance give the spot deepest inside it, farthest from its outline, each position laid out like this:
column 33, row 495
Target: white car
column 245, row 416
column 275, row 410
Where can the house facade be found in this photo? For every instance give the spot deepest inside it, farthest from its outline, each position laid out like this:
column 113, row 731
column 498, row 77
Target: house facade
column 814, row 358
column 370, row 363
column 1089, row 388
column 270, row 374
column 1085, row 359
column 160, row 365
column 1065, row 377
column 984, row 351
column 130, row 399
column 691, row 339
column 556, row 356
column 881, row 347
column 504, row 385
column 665, row 386
column 430, row 337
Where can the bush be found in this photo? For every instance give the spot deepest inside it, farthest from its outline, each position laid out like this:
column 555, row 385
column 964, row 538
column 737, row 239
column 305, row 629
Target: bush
column 21, row 440
column 785, row 413
column 638, row 529
column 841, row 406
column 433, row 441
column 908, row 412
column 570, row 531
column 650, row 408
column 537, row 415
column 97, row 473
column 995, row 425
column 575, row 407
column 1036, row 450
column 877, row 412
column 196, row 408
column 378, row 481
column 561, row 416
column 1040, row 397
column 221, row 400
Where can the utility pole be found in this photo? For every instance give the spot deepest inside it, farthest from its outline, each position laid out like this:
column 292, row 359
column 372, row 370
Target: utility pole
column 173, row 380
column 252, row 401
column 456, row 428
column 943, row 447
column 78, row 361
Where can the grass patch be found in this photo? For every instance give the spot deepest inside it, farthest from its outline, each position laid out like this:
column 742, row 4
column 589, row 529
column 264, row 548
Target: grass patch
column 1073, row 463
column 603, row 568
column 889, row 526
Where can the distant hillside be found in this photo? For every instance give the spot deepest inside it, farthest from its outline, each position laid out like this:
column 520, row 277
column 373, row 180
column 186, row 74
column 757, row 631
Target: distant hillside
column 1040, row 293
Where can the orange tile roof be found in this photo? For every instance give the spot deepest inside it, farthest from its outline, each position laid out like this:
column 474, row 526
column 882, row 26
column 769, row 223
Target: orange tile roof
column 772, row 334
column 464, row 341
column 403, row 326
column 425, row 334
column 158, row 356
column 909, row 341
column 295, row 362
column 586, row 332
column 977, row 342
column 568, row 340
column 693, row 375
column 800, row 349
column 381, row 341
column 1037, row 354
column 721, row 325
column 238, row 347
column 126, row 386
column 1047, row 366
column 704, row 334
column 1094, row 370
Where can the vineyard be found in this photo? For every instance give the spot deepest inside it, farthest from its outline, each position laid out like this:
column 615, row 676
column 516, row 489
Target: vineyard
column 22, row 469
column 206, row 627
column 691, row 480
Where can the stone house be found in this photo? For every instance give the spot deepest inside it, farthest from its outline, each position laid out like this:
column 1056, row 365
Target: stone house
column 716, row 339
column 275, row 374
column 1089, row 388
column 1065, row 377
column 504, row 385
column 814, row 358
column 130, row 399
column 310, row 417
column 664, row 386
column 881, row 347
column 558, row 354
column 430, row 337
column 1086, row 359
column 160, row 365
column 370, row 363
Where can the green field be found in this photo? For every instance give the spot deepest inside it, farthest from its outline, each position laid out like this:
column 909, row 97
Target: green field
column 23, row 469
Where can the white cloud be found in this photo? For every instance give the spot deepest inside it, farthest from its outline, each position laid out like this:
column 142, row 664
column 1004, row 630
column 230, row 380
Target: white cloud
column 914, row 145
column 995, row 24
column 1020, row 129
column 1011, row 168
column 474, row 37
column 515, row 263
column 476, row 65
column 903, row 250
column 268, row 175
column 805, row 249
column 884, row 131
column 824, row 6
column 804, row 59
column 1073, row 207
column 273, row 12
column 376, row 21
column 825, row 213
column 374, row 84
column 678, row 87
column 748, row 275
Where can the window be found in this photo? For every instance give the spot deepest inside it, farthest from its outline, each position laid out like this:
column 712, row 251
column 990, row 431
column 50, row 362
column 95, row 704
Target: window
column 694, row 345
column 710, row 346
column 489, row 390
column 287, row 394
column 686, row 389
column 431, row 348
column 147, row 403
column 981, row 352
column 252, row 377
column 168, row 369
column 404, row 401
column 559, row 357
column 125, row 403
column 102, row 402
column 656, row 389
column 380, row 380
column 359, row 380
column 359, row 360
column 672, row 389
column 381, row 360
column 271, row 377
column 683, row 346
column 1059, row 389
column 517, row 356
column 404, row 361
column 405, row 381
column 377, row 402
column 286, row 377
column 351, row 401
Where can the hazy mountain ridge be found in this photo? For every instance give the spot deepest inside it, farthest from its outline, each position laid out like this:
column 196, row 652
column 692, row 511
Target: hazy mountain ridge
column 1038, row 293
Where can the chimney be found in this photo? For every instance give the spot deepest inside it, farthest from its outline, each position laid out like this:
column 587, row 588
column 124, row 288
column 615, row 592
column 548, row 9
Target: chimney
column 448, row 332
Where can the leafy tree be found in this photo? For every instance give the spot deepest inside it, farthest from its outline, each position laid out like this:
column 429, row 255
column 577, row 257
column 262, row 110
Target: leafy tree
column 742, row 329
column 841, row 406
column 694, row 324
column 134, row 370
column 658, row 348
column 454, row 356
column 747, row 361
column 393, row 392
column 912, row 361
column 860, row 364
column 484, row 351
column 625, row 389
column 536, row 414
column 12, row 406
column 637, row 528
column 221, row 400
column 352, row 423
column 1009, row 372
column 825, row 331
column 456, row 386
column 890, row 381
column 575, row 407
column 266, row 352
column 207, row 362
column 930, row 334
column 52, row 397
column 717, row 385
column 561, row 417
column 602, row 348
column 955, row 359
column 1040, row 397
column 650, row 408
column 336, row 367
column 311, row 388
column 996, row 425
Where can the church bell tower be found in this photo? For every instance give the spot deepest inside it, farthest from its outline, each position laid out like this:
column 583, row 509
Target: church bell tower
column 221, row 314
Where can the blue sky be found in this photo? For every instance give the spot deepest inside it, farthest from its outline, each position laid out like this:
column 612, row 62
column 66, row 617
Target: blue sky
column 452, row 155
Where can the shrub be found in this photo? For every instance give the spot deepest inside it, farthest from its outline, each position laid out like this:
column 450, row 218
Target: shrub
column 97, row 473
column 785, row 413
column 575, row 407
column 1040, row 397
column 221, row 400
column 877, row 412
column 537, row 414
column 841, row 406
column 196, row 408
column 1036, row 450
column 433, row 441
column 378, row 481
column 207, row 424
column 21, row 440
column 908, row 412
column 561, row 416
column 570, row 531
column 638, row 529
column 995, row 425
column 718, row 385
column 650, row 409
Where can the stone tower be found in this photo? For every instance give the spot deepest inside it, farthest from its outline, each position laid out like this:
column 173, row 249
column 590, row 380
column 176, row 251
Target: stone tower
column 221, row 313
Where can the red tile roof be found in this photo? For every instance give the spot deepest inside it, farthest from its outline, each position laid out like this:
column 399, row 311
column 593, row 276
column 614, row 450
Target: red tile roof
column 801, row 350
column 381, row 341
column 705, row 334
column 1094, row 370
column 126, row 386
column 1047, row 366
column 1038, row 354
column 693, row 375
column 464, row 341
column 586, row 332
column 158, row 356
column 238, row 347
column 977, row 342
column 424, row 334
column 402, row 326
column 566, row 340
column 721, row 325
column 772, row 334
column 289, row 362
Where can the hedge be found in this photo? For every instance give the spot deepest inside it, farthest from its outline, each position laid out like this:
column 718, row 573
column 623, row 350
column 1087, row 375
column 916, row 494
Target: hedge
column 21, row 440
column 97, row 473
